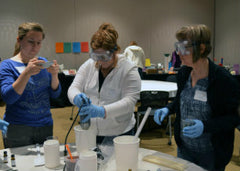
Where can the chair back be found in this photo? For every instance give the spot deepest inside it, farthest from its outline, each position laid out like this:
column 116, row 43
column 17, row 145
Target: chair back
column 153, row 99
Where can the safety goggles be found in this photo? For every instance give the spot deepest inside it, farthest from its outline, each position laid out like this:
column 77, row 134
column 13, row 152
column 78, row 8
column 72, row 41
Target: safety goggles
column 101, row 56
column 183, row 47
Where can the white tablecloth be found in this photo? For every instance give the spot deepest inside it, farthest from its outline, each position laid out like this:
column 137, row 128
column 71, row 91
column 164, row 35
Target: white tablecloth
column 25, row 160
column 153, row 85
column 146, row 166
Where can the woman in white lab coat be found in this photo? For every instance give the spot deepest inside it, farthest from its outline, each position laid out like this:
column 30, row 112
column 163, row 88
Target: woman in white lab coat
column 106, row 86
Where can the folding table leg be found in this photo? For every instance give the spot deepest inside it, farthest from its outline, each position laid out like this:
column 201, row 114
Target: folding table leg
column 170, row 130
column 138, row 118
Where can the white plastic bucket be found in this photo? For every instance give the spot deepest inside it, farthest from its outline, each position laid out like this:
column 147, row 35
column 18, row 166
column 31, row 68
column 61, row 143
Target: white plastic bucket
column 126, row 152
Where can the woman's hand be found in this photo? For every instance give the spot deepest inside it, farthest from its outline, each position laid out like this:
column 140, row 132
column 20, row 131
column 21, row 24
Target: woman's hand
column 54, row 68
column 34, row 66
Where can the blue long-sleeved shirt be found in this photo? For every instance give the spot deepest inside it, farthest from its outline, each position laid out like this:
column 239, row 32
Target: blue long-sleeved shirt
column 32, row 107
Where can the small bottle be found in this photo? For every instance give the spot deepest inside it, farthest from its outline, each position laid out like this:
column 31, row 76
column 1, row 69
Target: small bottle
column 5, row 157
column 166, row 60
column 13, row 162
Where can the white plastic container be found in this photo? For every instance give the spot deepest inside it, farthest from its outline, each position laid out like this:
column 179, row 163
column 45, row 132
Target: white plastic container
column 87, row 161
column 84, row 139
column 126, row 152
column 51, row 152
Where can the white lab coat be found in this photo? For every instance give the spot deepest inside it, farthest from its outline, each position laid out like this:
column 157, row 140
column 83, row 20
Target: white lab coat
column 119, row 94
column 136, row 55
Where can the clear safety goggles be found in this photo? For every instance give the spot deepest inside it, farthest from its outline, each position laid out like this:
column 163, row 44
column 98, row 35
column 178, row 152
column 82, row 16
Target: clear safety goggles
column 183, row 47
column 101, row 56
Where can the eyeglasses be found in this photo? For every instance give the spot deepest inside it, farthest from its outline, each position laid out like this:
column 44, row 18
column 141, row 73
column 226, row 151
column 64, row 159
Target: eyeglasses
column 101, row 56
column 183, row 47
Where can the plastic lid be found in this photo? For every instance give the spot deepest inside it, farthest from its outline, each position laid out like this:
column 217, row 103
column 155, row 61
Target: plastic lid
column 86, row 155
column 126, row 139
column 51, row 142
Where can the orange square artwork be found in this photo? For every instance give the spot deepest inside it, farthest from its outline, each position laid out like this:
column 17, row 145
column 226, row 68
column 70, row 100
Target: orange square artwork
column 84, row 47
column 59, row 47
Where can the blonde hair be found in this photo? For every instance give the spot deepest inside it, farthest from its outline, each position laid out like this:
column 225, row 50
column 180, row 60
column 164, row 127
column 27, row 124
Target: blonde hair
column 23, row 29
column 197, row 35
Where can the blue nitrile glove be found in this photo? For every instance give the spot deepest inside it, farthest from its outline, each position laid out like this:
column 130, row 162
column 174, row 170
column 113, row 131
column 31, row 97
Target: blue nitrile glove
column 3, row 126
column 160, row 114
column 92, row 111
column 81, row 99
column 195, row 130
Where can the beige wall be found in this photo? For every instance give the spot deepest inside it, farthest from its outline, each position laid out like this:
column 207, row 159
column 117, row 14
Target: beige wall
column 227, row 34
column 152, row 23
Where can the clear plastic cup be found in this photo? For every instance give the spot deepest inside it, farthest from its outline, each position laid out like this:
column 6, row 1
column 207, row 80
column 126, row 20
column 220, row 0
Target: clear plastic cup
column 70, row 163
column 186, row 122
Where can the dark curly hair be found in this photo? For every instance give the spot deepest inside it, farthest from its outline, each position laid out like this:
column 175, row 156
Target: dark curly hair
column 105, row 37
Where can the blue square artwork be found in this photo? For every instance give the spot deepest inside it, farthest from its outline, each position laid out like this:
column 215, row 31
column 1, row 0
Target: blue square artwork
column 76, row 47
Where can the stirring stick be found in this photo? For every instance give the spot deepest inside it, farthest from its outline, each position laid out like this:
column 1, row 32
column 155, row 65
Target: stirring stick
column 143, row 122
column 69, row 152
